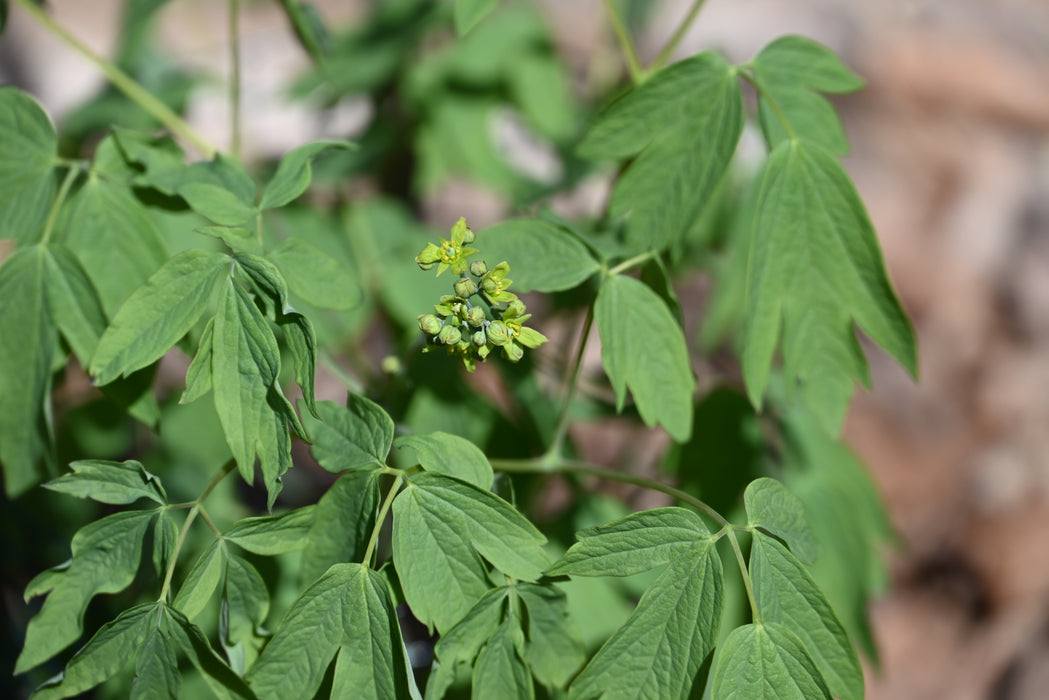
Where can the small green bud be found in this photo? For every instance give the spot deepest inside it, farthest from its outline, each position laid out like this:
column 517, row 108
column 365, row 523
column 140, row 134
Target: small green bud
column 478, row 268
column 490, row 286
column 515, row 308
column 513, row 352
column 429, row 323
column 465, row 287
column 469, row 236
column 425, row 266
column 475, row 316
column 480, row 339
column 449, row 335
column 498, row 333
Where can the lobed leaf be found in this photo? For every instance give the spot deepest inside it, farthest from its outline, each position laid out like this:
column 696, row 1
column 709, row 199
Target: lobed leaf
column 546, row 258
column 444, row 453
column 501, row 671
column 643, row 349
column 318, row 278
column 118, row 483
column 198, row 376
column 73, row 301
column 156, row 671
column 773, row 508
column 202, row 580
column 157, row 314
column 220, row 678
column 294, row 173
column 554, row 646
column 766, row 661
column 342, row 524
column 357, row 436
column 630, row 545
column 245, row 605
column 301, row 340
column 27, row 155
column 273, row 534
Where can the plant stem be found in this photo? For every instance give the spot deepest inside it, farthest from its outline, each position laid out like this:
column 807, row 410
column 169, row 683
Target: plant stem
column 122, row 81
column 626, row 44
column 190, row 517
column 773, row 105
column 63, row 192
column 631, row 262
column 234, row 83
column 745, row 574
column 387, row 502
column 557, row 443
column 571, row 466
column 679, row 34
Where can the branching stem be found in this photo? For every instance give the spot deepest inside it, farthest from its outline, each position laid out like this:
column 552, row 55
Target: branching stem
column 380, row 518
column 122, row 81
column 744, row 572
column 631, row 262
column 626, row 44
column 773, row 105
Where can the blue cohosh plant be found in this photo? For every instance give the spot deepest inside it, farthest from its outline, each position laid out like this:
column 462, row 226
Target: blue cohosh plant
column 400, row 542
column 461, row 326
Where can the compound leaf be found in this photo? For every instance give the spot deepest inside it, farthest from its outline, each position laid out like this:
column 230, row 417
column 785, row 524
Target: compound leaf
column 660, row 649
column 202, row 581
column 501, row 671
column 106, row 555
column 157, row 314
column 156, row 672
column 683, row 125
column 222, row 680
column 343, row 523
column 786, row 594
column 273, row 534
column 773, row 508
column 554, row 648
column 118, row 483
column 815, row 268
column 73, row 302
column 357, row 436
column 643, row 349
column 633, row 544
column 545, row 257
column 28, row 342
column 766, row 662
column 27, row 155
column 445, row 453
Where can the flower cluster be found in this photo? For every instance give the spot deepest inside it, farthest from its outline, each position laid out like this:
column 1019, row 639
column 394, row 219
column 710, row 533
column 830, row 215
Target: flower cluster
column 460, row 324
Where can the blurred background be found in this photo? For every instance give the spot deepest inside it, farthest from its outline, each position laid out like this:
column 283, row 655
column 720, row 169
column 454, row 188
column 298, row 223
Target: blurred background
column 951, row 155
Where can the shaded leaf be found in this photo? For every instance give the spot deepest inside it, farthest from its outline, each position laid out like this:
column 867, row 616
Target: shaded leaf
column 273, row 534
column 73, row 302
column 220, row 678
column 202, row 580
column 156, row 672
column 301, row 340
column 198, row 376
column 501, row 671
column 318, row 278
column 342, row 524
column 216, row 203
column 294, row 173
column 554, row 648
column 772, row 507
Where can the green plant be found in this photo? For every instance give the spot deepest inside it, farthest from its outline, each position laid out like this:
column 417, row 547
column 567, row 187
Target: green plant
column 126, row 254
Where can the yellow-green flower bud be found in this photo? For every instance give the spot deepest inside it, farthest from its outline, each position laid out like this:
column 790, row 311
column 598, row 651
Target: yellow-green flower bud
column 429, row 323
column 449, row 335
column 465, row 287
column 478, row 268
column 475, row 316
column 498, row 333
column 479, row 339
column 469, row 236
column 513, row 351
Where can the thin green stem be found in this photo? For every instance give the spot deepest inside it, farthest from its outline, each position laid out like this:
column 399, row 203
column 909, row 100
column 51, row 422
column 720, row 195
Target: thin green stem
column 570, row 466
column 122, row 81
column 679, row 34
column 387, row 502
column 258, row 227
column 207, row 520
column 63, row 192
column 557, row 444
column 626, row 44
column 190, row 517
column 631, row 262
column 745, row 574
column 234, row 82
column 773, row 105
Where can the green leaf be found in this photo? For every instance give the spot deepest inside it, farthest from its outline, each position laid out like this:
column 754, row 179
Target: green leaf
column 441, row 574
column 158, row 314
column 109, row 650
column 245, row 363
column 315, row 276
column 220, row 678
column 776, row 510
column 265, row 278
column 28, row 342
column 156, row 673
column 273, row 534
column 786, row 594
column 554, row 649
column 469, row 12
column 371, row 663
column 245, row 605
column 165, row 539
column 73, row 302
column 198, row 376
column 449, row 454
column 118, row 483
column 643, row 349
column 633, row 544
column 294, row 662
column 499, row 533
column 114, row 239
column 543, row 257
column 683, row 125
column 202, row 581
column 293, row 174
column 301, row 340
column 27, row 154
column 766, row 662
column 815, row 268
column 462, row 643
column 797, row 60
column 217, row 203
column 342, row 524
column 358, row 436
column 501, row 671
column 661, row 648
column 106, row 555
